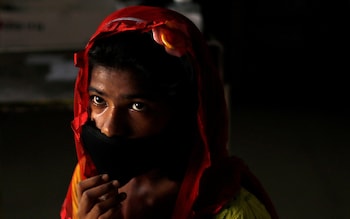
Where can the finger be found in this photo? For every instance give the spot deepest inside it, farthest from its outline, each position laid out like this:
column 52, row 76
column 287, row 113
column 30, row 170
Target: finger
column 91, row 182
column 106, row 209
column 110, row 208
column 113, row 194
column 91, row 196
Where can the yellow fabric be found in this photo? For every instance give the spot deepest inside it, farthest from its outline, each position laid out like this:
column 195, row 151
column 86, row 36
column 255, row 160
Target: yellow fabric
column 75, row 180
column 244, row 206
column 77, row 177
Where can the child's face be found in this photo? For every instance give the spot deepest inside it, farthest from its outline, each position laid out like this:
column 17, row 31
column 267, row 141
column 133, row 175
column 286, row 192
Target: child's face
column 119, row 105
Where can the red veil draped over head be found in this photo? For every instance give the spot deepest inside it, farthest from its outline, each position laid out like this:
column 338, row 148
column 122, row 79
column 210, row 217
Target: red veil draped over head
column 179, row 36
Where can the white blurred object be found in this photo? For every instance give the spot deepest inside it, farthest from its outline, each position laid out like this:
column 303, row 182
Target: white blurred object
column 60, row 69
column 50, row 25
column 190, row 9
column 124, row 3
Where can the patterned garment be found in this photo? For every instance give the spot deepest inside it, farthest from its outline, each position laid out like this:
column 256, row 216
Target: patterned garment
column 244, row 206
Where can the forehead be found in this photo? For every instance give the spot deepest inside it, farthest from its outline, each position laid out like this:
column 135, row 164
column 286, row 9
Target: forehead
column 110, row 80
column 112, row 77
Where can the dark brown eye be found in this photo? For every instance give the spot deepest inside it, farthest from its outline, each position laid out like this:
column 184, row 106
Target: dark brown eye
column 98, row 101
column 138, row 106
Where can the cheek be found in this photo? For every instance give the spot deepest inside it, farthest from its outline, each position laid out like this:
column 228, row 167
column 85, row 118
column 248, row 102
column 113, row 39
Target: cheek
column 97, row 115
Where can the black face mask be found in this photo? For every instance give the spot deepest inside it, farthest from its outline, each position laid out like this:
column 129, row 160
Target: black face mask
column 124, row 158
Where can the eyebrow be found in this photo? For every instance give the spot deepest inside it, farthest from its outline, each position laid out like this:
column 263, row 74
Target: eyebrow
column 144, row 95
column 91, row 89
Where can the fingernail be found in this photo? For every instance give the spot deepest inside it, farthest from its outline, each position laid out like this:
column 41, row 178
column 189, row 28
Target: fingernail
column 115, row 183
column 103, row 198
column 104, row 177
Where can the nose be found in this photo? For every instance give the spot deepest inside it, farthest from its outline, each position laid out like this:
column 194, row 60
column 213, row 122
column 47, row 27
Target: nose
column 111, row 122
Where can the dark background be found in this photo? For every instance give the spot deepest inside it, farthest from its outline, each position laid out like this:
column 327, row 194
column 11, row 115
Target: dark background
column 285, row 69
column 285, row 53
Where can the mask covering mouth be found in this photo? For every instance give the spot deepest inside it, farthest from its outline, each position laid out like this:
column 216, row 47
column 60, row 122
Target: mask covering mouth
column 124, row 158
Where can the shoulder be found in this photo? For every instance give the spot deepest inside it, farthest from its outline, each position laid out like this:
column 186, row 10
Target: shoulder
column 244, row 206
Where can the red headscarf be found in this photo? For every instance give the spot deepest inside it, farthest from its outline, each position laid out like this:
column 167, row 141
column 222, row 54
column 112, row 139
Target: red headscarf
column 179, row 36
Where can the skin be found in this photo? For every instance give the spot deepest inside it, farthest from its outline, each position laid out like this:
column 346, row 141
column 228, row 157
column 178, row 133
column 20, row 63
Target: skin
column 119, row 106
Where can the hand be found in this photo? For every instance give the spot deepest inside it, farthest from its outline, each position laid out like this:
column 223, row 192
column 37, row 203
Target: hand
column 99, row 198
